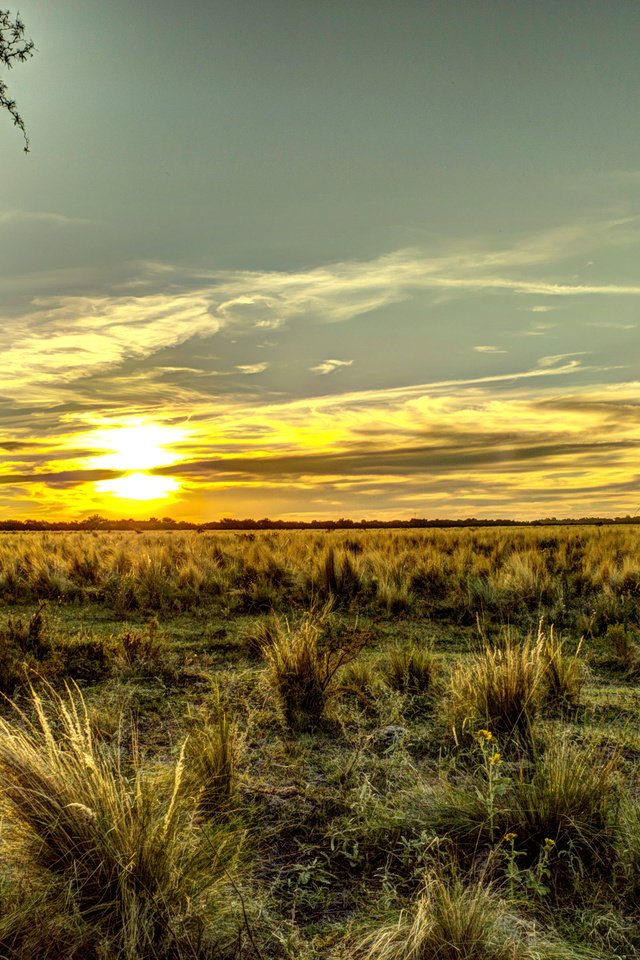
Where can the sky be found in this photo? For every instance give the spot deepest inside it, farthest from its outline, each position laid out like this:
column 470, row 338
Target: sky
column 348, row 258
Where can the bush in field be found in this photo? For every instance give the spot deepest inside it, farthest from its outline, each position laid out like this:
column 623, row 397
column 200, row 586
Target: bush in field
column 498, row 689
column 363, row 681
column 624, row 647
column 572, row 801
column 629, row 847
column 338, row 578
column 411, row 668
column 211, row 755
column 261, row 635
column 560, row 812
column 450, row 921
column 110, row 854
column 25, row 645
column 564, row 673
column 85, row 658
column 144, row 652
column 301, row 671
column 505, row 687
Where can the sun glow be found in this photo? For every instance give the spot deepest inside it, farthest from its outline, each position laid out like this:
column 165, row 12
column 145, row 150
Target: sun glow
column 139, row 486
column 139, row 446
column 135, row 448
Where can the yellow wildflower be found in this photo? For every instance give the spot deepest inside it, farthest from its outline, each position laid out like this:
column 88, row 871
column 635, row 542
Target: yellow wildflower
column 495, row 759
column 509, row 837
column 485, row 735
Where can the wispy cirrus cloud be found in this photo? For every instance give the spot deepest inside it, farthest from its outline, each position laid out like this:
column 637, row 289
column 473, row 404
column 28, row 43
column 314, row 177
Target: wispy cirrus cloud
column 68, row 338
column 13, row 217
column 330, row 366
column 250, row 369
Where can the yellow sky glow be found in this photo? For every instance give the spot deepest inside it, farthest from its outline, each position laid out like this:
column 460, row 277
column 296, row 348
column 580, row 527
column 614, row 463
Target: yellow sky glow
column 137, row 446
column 139, row 486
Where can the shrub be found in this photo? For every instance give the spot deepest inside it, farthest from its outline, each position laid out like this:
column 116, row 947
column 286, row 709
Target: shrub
column 301, row 672
column 624, row 648
column 562, row 811
column 212, row 757
column 85, row 658
column 24, row 645
column 564, row 674
column 572, row 801
column 364, row 682
column 499, row 689
column 114, row 851
column 261, row 635
column 338, row 578
column 144, row 652
column 411, row 668
column 450, row 921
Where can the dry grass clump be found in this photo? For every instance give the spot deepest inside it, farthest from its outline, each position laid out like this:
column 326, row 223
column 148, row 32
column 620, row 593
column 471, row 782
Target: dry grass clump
column 363, row 681
column 144, row 652
column 411, row 668
column 498, row 689
column 504, row 687
column 261, row 635
column 450, row 921
column 571, row 800
column 624, row 647
column 560, row 812
column 302, row 670
column 629, row 847
column 110, row 848
column 564, row 673
column 212, row 751
column 24, row 643
column 337, row 576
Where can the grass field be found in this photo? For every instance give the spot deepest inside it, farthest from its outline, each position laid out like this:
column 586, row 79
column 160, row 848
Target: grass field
column 379, row 745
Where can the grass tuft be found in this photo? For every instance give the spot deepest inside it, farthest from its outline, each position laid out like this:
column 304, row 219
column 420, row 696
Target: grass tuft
column 113, row 847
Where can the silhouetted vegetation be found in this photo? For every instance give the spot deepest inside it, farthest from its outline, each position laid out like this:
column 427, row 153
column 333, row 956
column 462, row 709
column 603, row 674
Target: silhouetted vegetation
column 14, row 48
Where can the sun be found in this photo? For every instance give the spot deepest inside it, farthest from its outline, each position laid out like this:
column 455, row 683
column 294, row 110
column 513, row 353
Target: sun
column 139, row 486
column 134, row 448
column 141, row 446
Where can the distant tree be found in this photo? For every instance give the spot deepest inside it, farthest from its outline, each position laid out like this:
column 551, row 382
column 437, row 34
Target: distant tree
column 13, row 49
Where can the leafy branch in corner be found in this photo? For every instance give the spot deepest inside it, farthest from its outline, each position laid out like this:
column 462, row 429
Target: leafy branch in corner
column 13, row 49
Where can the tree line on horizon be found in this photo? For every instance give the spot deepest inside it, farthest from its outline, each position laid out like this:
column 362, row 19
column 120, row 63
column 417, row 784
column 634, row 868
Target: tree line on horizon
column 97, row 522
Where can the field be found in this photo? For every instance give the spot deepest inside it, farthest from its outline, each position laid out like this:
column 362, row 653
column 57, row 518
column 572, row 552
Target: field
column 415, row 745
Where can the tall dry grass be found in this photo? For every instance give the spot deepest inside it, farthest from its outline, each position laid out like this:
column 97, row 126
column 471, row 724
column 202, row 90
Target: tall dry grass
column 589, row 575
column 109, row 848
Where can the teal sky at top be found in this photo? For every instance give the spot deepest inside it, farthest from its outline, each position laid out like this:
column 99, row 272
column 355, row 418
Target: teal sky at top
column 278, row 134
column 405, row 232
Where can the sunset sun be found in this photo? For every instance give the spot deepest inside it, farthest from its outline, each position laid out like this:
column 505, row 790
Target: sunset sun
column 139, row 486
column 133, row 449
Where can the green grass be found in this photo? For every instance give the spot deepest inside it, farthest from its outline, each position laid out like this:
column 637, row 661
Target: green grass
column 277, row 778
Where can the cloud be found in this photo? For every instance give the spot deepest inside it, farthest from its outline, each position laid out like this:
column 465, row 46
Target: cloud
column 485, row 348
column 249, row 369
column 65, row 339
column 14, row 217
column 610, row 325
column 68, row 339
column 329, row 366
column 537, row 330
column 555, row 359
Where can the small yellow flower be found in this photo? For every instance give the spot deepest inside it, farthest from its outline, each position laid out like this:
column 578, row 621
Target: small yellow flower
column 509, row 837
column 485, row 735
column 495, row 759
column 549, row 843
